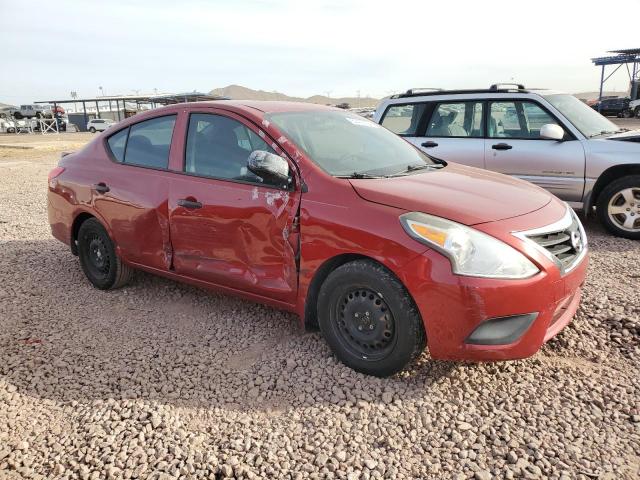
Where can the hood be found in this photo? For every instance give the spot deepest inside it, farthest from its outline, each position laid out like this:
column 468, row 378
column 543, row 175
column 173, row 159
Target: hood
column 630, row 136
column 463, row 194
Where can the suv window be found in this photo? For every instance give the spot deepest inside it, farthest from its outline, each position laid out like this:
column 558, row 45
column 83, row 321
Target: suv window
column 517, row 119
column 219, row 147
column 403, row 119
column 117, row 142
column 148, row 142
column 460, row 119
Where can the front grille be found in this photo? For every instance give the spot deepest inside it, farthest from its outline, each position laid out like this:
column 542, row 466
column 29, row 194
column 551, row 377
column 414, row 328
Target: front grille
column 564, row 242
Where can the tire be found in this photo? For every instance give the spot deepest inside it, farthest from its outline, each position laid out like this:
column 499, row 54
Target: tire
column 17, row 115
column 369, row 320
column 637, row 112
column 618, row 207
column 92, row 130
column 98, row 258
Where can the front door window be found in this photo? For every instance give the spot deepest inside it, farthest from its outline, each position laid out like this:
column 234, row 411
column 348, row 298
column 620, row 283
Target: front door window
column 518, row 120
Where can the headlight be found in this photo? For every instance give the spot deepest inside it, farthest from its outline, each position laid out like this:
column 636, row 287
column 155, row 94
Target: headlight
column 471, row 252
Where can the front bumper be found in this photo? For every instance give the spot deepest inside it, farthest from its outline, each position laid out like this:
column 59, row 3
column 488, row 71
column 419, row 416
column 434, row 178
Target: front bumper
column 453, row 306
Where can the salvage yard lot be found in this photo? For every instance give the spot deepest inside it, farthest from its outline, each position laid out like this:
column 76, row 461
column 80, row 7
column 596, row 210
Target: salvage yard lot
column 163, row 380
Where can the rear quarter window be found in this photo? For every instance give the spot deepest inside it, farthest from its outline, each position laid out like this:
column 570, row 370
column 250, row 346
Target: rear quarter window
column 403, row 119
column 117, row 143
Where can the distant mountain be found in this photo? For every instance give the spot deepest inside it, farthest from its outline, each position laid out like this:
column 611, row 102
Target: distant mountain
column 238, row 92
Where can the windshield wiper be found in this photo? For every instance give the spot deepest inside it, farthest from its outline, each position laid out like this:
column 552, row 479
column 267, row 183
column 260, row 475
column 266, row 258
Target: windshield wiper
column 360, row 175
column 413, row 168
column 606, row 132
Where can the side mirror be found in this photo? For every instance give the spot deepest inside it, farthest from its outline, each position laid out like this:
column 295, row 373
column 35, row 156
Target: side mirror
column 270, row 167
column 551, row 131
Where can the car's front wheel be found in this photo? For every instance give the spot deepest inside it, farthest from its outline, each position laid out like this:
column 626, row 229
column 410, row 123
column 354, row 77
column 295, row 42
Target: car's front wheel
column 98, row 257
column 92, row 129
column 619, row 207
column 369, row 320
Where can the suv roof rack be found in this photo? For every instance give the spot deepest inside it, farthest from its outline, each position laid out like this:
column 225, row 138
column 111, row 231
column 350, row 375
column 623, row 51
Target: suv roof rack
column 416, row 91
column 495, row 88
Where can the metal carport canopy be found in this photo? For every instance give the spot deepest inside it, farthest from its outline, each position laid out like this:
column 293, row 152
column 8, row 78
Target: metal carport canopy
column 161, row 99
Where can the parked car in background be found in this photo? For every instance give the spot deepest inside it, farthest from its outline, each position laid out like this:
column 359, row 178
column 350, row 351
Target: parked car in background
column 634, row 108
column 7, row 125
column 321, row 212
column 99, row 124
column 613, row 107
column 31, row 111
column 548, row 138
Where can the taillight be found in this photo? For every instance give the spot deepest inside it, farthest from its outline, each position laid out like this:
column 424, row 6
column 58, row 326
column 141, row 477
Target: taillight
column 53, row 174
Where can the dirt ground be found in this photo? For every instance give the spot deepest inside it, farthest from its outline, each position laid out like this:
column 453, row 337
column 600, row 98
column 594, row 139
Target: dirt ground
column 161, row 380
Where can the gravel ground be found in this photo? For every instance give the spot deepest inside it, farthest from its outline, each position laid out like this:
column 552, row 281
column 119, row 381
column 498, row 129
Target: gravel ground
column 161, row 380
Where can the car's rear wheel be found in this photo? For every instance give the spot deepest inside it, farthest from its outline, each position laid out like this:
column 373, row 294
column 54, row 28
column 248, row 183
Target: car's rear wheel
column 92, row 130
column 637, row 112
column 369, row 320
column 619, row 207
column 98, row 258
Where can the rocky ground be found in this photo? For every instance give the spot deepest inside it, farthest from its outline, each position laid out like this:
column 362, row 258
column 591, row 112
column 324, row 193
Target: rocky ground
column 160, row 380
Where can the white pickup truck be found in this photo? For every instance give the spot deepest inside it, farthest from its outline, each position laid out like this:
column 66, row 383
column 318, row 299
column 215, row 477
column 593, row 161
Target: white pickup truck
column 30, row 111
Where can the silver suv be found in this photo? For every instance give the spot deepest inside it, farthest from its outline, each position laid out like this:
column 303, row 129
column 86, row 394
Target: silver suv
column 548, row 138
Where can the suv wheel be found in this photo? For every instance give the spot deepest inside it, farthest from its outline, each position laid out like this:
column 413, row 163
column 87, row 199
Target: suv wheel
column 369, row 320
column 92, row 130
column 619, row 207
column 637, row 112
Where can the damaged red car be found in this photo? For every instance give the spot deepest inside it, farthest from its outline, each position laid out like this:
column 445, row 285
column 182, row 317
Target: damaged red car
column 321, row 212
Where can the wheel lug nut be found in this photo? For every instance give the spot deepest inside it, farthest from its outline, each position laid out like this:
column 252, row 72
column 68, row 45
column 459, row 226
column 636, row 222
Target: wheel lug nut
column 357, row 315
column 370, row 327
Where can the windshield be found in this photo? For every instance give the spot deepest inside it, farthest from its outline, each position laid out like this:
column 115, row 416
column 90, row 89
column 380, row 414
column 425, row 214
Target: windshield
column 584, row 118
column 343, row 143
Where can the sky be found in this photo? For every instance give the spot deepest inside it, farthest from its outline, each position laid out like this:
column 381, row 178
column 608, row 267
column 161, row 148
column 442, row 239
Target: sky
column 302, row 48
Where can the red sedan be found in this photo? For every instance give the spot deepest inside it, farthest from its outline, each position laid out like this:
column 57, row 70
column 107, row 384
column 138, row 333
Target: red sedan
column 323, row 213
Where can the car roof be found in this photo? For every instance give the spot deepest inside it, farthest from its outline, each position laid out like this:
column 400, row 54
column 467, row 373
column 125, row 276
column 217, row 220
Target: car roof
column 264, row 106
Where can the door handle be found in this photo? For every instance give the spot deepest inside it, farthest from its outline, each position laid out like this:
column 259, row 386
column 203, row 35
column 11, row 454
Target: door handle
column 501, row 146
column 429, row 144
column 192, row 204
column 101, row 187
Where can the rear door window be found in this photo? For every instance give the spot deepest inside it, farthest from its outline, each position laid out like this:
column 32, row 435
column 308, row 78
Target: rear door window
column 404, row 119
column 149, row 142
column 460, row 119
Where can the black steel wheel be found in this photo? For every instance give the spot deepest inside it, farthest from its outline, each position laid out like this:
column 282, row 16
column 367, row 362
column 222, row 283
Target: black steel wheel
column 368, row 319
column 364, row 323
column 98, row 258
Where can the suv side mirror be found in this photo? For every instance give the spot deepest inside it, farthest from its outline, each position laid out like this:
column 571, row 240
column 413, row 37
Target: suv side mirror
column 551, row 131
column 270, row 167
